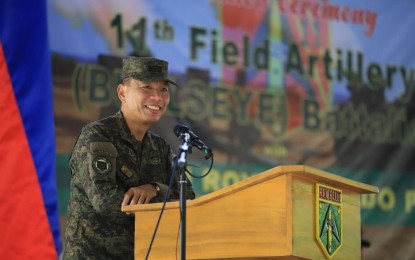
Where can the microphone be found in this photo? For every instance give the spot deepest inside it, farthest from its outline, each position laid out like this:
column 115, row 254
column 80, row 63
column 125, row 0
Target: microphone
column 181, row 130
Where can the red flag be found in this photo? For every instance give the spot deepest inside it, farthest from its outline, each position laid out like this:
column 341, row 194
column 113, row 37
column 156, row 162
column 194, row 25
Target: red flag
column 29, row 220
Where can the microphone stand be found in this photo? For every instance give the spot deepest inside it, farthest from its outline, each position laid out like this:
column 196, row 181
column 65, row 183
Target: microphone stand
column 181, row 163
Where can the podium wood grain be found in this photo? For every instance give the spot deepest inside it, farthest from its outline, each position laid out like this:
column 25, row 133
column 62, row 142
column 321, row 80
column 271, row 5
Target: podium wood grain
column 267, row 216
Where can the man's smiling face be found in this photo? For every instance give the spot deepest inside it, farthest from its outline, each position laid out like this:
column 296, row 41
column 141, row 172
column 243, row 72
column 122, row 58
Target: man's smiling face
column 142, row 101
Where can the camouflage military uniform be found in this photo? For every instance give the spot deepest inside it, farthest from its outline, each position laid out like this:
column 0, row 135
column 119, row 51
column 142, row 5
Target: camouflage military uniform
column 105, row 163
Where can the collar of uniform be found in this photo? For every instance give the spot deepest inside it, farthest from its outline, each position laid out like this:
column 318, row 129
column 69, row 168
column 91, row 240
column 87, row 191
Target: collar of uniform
column 126, row 133
column 124, row 130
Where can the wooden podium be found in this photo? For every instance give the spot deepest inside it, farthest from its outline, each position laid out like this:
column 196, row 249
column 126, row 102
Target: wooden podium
column 272, row 215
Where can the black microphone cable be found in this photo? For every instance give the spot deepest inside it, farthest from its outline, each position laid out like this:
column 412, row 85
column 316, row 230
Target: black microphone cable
column 162, row 208
column 208, row 155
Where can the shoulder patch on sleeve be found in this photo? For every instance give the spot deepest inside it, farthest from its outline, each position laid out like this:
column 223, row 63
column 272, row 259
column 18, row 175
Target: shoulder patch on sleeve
column 101, row 165
column 103, row 158
column 103, row 148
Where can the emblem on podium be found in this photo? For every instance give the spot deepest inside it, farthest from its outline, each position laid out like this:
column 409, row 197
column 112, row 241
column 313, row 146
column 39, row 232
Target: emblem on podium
column 329, row 230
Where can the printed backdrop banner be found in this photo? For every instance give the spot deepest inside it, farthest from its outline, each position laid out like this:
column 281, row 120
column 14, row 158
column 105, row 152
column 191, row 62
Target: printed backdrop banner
column 329, row 84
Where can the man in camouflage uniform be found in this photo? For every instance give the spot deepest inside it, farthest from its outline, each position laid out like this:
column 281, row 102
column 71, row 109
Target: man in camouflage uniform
column 116, row 161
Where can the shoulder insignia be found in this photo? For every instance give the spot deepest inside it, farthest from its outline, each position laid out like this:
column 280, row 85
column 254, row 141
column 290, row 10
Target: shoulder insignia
column 103, row 155
column 101, row 165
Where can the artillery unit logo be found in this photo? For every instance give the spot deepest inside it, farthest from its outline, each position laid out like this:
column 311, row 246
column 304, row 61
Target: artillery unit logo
column 329, row 231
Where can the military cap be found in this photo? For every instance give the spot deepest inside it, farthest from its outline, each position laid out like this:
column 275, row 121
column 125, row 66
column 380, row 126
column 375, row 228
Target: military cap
column 145, row 69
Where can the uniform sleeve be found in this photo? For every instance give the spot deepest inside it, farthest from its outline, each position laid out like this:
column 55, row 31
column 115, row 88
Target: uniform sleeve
column 93, row 166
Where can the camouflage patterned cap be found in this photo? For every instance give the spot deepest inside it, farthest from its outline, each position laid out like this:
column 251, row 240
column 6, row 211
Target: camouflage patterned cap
column 145, row 69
